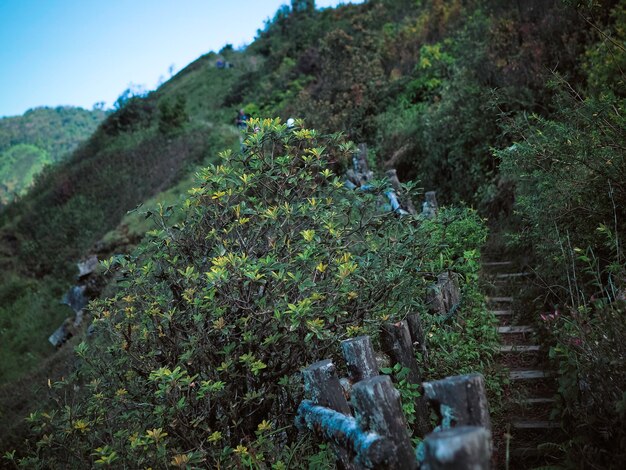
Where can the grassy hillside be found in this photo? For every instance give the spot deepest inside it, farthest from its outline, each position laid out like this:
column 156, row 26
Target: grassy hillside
column 41, row 136
column 138, row 152
column 432, row 87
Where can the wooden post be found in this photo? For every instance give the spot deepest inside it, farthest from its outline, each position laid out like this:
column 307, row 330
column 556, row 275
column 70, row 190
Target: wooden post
column 444, row 297
column 430, row 206
column 360, row 174
column 396, row 342
column 465, row 396
column 322, row 387
column 418, row 337
column 392, row 176
column 360, row 357
column 378, row 409
column 460, row 448
column 362, row 160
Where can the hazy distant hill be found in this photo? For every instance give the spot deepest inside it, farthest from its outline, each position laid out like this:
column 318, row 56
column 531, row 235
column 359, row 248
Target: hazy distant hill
column 40, row 137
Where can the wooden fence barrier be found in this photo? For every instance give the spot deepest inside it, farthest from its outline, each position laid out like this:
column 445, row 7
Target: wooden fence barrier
column 398, row 345
column 370, row 431
column 359, row 175
column 376, row 436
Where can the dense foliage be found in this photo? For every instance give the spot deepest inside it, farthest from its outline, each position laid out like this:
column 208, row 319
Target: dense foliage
column 197, row 358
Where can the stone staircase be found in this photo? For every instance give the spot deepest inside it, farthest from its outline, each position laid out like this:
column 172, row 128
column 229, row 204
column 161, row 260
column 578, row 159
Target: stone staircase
column 529, row 396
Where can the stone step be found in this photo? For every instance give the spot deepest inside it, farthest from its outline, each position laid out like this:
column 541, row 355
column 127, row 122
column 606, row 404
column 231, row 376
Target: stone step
column 537, row 401
column 519, row 348
column 530, row 374
column 515, row 329
column 511, row 275
column 502, row 313
column 496, row 264
column 536, row 424
column 526, row 452
column 501, row 300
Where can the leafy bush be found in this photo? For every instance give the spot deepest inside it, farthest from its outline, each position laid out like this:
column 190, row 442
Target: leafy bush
column 131, row 114
column 274, row 262
column 569, row 172
column 590, row 354
column 172, row 114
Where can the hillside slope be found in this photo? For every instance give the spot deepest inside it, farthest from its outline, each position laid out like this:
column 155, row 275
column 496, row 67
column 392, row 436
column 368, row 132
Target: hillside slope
column 133, row 155
column 432, row 87
column 38, row 138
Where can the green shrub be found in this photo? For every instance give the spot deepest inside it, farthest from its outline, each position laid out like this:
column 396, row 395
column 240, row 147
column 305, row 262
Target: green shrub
column 569, row 174
column 273, row 263
column 172, row 114
column 30, row 310
column 590, row 353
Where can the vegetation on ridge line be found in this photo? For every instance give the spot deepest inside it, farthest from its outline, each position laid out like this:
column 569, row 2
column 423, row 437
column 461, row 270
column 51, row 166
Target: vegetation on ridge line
column 38, row 138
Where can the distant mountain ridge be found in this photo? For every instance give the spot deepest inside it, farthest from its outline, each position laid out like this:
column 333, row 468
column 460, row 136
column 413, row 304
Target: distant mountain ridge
column 39, row 137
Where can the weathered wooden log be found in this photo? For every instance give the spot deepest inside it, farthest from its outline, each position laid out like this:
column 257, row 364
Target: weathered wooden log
column 353, row 177
column 75, row 298
column 322, row 387
column 63, row 332
column 359, row 174
column 378, row 409
column 395, row 203
column 392, row 176
column 416, row 330
column 464, row 396
column 460, row 448
column 444, row 297
column 370, row 450
column 360, row 358
column 430, row 206
column 396, row 342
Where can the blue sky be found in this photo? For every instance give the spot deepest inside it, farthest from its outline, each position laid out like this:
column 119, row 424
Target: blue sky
column 79, row 52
